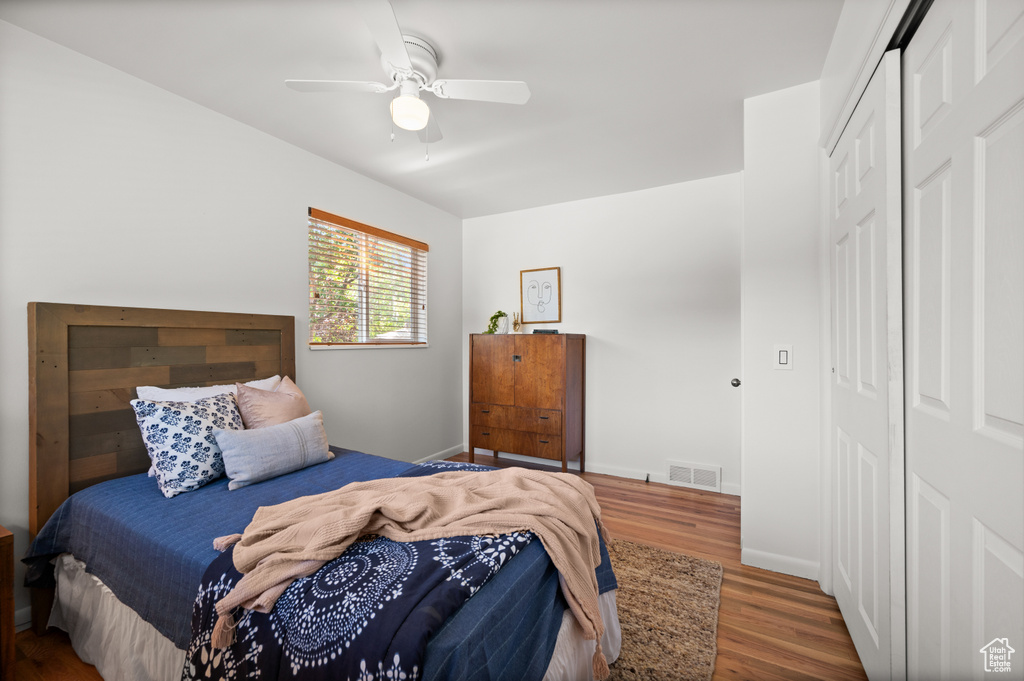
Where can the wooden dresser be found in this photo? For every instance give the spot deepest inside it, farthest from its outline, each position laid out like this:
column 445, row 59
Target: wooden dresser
column 6, row 604
column 526, row 395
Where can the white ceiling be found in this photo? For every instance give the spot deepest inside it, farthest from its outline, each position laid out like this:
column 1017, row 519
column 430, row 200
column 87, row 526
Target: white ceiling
column 626, row 94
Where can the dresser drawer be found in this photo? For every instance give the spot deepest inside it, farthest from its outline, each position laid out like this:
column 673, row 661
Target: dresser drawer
column 539, row 444
column 494, row 415
column 498, row 439
column 548, row 421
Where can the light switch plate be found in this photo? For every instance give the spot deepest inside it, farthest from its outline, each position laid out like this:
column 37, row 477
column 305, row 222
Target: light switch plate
column 783, row 358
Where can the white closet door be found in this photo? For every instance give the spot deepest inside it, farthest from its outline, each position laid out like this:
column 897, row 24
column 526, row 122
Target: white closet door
column 867, row 381
column 964, row 278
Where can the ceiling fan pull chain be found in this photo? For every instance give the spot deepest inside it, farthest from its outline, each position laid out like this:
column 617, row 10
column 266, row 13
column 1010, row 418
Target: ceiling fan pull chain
column 426, row 148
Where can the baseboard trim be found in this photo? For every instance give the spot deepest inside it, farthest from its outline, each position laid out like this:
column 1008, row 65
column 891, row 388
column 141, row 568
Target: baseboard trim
column 23, row 618
column 732, row 488
column 617, row 471
column 635, row 474
column 451, row 451
column 787, row 565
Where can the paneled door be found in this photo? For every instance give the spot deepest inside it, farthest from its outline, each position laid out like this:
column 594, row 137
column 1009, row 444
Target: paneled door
column 539, row 372
column 867, row 381
column 491, row 372
column 963, row 142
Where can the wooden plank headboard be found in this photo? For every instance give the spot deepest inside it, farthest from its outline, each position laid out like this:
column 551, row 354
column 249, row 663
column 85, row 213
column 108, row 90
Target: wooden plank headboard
column 85, row 362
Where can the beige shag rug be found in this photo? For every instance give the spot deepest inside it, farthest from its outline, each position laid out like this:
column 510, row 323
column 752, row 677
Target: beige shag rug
column 668, row 609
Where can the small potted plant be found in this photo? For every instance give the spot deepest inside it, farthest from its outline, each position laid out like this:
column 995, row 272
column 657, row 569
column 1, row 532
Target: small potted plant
column 498, row 318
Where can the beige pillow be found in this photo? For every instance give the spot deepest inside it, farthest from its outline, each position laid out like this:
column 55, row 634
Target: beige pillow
column 262, row 408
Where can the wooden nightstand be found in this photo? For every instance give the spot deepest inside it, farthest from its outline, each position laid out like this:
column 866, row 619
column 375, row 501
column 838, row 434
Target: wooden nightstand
column 6, row 604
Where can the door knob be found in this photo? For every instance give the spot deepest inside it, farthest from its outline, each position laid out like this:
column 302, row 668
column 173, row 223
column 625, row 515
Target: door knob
column 735, row 382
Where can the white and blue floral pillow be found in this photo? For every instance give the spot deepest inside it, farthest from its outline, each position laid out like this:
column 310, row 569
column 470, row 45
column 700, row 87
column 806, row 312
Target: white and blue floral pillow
column 179, row 437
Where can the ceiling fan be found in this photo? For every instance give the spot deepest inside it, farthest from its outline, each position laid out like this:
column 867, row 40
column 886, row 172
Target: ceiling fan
column 411, row 67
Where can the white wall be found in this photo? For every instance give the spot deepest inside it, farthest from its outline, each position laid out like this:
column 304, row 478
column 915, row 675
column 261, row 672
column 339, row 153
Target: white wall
column 652, row 278
column 115, row 192
column 781, row 289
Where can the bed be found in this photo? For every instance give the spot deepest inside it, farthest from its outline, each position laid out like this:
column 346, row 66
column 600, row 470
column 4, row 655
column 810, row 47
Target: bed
column 85, row 362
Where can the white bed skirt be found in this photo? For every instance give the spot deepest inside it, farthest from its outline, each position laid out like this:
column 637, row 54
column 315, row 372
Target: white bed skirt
column 107, row 633
column 573, row 657
column 123, row 647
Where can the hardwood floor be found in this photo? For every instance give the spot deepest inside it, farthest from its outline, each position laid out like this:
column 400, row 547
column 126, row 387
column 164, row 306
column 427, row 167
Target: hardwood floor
column 771, row 627
column 49, row 658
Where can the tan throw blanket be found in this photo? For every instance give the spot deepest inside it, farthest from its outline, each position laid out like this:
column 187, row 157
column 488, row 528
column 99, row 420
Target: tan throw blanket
column 296, row 538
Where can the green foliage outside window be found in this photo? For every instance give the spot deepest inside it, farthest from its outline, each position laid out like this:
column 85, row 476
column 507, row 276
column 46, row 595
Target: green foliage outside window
column 364, row 289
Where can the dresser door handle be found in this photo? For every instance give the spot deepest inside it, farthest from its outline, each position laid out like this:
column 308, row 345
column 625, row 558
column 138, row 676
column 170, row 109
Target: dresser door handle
column 544, row 442
column 485, row 433
column 485, row 411
column 544, row 418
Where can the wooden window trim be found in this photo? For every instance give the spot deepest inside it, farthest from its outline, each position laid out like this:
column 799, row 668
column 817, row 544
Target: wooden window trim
column 324, row 216
column 372, row 253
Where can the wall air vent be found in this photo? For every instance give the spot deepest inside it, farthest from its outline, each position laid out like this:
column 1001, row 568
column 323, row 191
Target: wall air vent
column 695, row 475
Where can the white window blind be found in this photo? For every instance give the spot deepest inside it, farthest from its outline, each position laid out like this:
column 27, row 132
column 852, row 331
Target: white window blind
column 366, row 286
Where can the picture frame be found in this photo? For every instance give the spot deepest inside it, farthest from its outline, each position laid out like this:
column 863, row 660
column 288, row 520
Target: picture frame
column 540, row 295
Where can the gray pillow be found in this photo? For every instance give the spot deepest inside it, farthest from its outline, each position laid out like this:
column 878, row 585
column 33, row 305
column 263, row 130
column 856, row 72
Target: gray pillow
column 263, row 453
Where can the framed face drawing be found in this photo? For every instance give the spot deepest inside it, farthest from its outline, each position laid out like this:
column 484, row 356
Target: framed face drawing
column 540, row 295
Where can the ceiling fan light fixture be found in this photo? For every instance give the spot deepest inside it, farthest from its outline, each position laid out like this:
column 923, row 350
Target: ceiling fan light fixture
column 411, row 66
column 408, row 111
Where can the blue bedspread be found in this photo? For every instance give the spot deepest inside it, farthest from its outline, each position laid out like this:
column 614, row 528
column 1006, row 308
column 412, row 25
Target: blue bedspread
column 152, row 552
column 507, row 630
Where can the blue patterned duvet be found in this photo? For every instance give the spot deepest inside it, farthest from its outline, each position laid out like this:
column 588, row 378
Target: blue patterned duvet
column 366, row 615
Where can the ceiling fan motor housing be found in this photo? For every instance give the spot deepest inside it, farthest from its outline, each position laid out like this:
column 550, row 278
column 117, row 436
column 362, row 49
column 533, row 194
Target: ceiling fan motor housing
column 423, row 57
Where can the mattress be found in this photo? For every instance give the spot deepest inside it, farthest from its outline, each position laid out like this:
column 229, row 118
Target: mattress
column 151, row 552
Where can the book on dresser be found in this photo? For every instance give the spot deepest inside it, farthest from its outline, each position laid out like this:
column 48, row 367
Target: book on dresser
column 526, row 395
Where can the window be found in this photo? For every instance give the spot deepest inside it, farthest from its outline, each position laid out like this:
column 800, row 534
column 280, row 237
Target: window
column 366, row 286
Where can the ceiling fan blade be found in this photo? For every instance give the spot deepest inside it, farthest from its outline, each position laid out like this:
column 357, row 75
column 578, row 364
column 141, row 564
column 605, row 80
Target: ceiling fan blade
column 431, row 133
column 336, row 86
column 501, row 91
column 380, row 19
